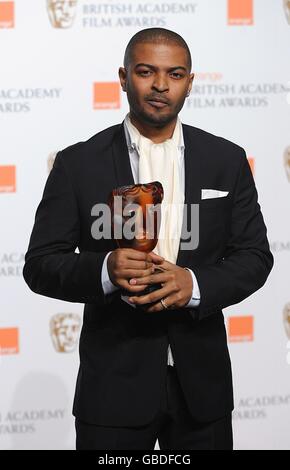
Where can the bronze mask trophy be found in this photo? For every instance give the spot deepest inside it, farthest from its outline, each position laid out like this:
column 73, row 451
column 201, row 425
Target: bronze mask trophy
column 136, row 218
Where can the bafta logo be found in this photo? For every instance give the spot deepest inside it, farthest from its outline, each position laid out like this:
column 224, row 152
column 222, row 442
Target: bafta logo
column 64, row 330
column 287, row 162
column 286, row 319
column 287, row 9
column 50, row 161
column 61, row 12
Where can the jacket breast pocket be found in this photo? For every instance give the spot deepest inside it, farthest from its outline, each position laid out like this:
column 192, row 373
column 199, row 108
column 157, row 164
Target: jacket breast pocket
column 215, row 212
column 215, row 203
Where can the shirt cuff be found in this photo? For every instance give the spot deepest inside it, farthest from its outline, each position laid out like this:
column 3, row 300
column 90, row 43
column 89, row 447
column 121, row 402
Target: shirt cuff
column 195, row 296
column 108, row 286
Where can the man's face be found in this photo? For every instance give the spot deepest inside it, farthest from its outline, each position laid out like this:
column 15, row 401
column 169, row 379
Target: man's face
column 157, row 81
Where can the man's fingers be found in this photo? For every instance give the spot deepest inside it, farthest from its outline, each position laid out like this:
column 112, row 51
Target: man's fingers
column 132, row 264
column 151, row 278
column 171, row 302
column 134, row 289
column 135, row 273
column 156, row 258
column 123, row 284
column 137, row 255
column 152, row 297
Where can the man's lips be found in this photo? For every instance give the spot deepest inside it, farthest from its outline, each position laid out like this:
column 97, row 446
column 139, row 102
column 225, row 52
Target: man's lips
column 157, row 102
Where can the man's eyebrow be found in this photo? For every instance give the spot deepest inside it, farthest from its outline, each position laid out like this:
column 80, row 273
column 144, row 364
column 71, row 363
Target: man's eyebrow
column 170, row 69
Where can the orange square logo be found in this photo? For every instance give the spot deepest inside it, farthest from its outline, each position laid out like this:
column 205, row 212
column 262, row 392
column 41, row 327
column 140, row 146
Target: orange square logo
column 240, row 12
column 106, row 95
column 251, row 161
column 6, row 14
column 9, row 341
column 240, row 329
column 7, row 178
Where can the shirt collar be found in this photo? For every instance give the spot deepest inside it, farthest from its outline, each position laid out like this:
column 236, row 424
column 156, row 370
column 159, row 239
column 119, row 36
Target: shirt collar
column 131, row 139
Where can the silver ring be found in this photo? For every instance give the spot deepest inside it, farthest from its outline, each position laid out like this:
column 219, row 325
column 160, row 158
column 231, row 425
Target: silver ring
column 163, row 304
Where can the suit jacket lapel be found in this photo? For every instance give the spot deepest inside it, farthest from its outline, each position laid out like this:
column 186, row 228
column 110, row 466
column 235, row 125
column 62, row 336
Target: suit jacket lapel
column 121, row 158
column 192, row 184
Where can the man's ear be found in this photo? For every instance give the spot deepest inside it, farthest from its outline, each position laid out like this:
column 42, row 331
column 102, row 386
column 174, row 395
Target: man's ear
column 123, row 76
column 191, row 78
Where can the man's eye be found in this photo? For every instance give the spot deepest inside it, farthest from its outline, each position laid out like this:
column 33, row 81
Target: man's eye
column 144, row 72
column 177, row 75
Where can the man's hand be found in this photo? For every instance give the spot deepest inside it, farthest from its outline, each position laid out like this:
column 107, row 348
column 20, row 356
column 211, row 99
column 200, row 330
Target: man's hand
column 126, row 263
column 176, row 287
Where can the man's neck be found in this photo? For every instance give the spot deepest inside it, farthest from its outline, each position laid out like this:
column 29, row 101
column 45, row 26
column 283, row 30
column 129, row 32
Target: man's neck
column 156, row 134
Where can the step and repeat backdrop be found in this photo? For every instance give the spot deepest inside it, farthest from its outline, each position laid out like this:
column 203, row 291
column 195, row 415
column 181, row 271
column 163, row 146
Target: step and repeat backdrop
column 59, row 85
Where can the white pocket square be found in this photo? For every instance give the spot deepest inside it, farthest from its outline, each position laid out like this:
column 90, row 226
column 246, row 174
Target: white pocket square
column 212, row 193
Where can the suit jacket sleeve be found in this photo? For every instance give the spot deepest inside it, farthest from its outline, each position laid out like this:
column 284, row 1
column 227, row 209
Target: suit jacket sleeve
column 247, row 261
column 52, row 268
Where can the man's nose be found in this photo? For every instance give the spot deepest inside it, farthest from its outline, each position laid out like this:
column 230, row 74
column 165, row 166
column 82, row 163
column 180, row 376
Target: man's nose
column 160, row 83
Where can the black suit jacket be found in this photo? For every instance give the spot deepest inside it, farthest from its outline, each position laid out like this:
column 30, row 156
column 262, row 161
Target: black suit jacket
column 123, row 350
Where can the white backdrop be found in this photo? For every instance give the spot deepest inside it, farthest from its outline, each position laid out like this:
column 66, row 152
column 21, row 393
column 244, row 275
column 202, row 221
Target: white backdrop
column 48, row 75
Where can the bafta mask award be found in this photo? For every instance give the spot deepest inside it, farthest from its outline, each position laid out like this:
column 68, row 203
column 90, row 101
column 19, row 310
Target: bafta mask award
column 61, row 12
column 135, row 219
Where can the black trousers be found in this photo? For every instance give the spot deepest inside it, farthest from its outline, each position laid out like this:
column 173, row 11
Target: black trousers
column 173, row 427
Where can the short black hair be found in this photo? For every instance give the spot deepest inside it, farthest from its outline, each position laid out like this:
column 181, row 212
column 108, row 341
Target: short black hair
column 157, row 36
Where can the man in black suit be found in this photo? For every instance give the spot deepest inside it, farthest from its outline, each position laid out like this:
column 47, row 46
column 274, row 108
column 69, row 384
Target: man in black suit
column 160, row 371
